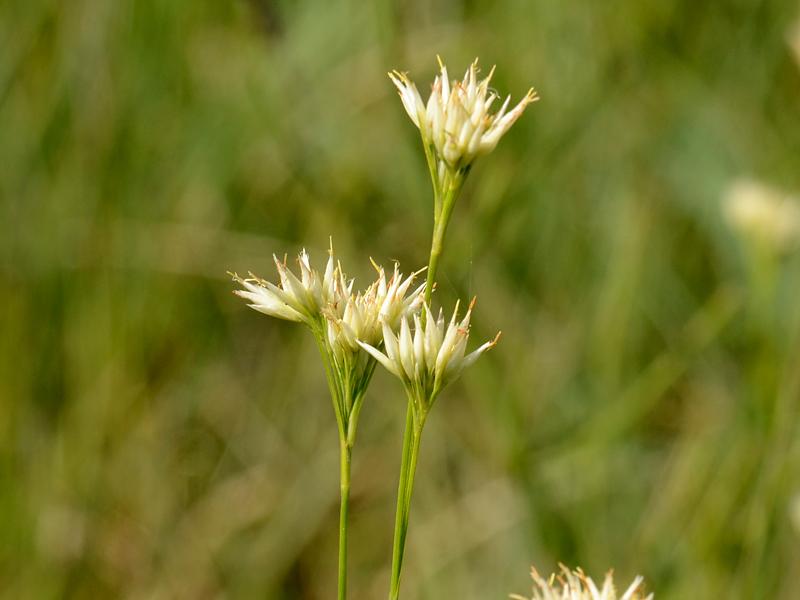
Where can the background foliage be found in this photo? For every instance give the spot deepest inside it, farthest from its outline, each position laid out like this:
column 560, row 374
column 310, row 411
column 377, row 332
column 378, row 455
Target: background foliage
column 160, row 440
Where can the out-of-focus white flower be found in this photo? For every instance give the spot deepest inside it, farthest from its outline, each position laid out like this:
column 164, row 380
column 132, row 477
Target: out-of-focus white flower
column 457, row 118
column 362, row 314
column 794, row 512
column 575, row 585
column 297, row 298
column 431, row 357
column 768, row 216
column 793, row 39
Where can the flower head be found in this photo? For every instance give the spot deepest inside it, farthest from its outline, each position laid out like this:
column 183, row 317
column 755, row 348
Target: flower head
column 575, row 585
column 457, row 117
column 338, row 319
column 302, row 298
column 793, row 38
column 766, row 215
column 361, row 316
column 429, row 358
column 327, row 303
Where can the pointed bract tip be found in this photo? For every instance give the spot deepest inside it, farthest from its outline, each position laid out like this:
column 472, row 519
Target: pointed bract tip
column 420, row 271
column 280, row 265
column 375, row 265
column 400, row 79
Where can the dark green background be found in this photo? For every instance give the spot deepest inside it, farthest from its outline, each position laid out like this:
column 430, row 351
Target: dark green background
column 160, row 440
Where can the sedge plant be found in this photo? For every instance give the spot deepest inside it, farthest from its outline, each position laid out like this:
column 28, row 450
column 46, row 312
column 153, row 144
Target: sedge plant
column 456, row 126
column 338, row 319
column 389, row 322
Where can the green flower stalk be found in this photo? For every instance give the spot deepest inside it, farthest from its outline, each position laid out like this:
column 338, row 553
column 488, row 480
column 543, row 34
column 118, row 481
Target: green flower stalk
column 337, row 318
column 426, row 361
column 456, row 126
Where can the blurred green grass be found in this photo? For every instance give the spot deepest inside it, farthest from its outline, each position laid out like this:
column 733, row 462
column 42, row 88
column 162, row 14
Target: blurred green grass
column 160, row 440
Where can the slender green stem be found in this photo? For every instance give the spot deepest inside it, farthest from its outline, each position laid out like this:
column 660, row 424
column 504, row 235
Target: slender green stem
column 408, row 467
column 347, row 394
column 445, row 201
column 412, row 469
column 399, row 533
column 344, row 466
column 445, row 194
column 433, row 263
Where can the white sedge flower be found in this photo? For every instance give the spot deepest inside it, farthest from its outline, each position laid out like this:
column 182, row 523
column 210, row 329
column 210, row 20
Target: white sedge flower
column 794, row 512
column 429, row 358
column 361, row 316
column 575, row 585
column 793, row 38
column 764, row 214
column 457, row 117
column 301, row 299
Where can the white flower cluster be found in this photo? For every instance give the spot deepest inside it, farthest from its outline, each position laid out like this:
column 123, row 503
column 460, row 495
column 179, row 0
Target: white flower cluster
column 457, row 117
column 297, row 299
column 431, row 357
column 377, row 319
column 363, row 315
column 326, row 302
column 575, row 585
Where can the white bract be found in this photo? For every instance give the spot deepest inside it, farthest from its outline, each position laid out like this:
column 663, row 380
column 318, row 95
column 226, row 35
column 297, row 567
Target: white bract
column 429, row 358
column 575, row 585
column 301, row 298
column 457, row 117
